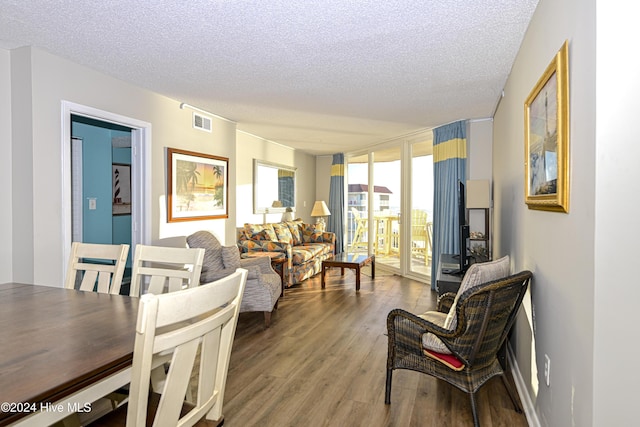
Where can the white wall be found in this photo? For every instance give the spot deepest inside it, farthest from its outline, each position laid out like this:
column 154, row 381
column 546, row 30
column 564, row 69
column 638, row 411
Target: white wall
column 617, row 152
column 480, row 166
column 323, row 178
column 40, row 83
column 250, row 147
column 306, row 190
column 480, row 142
column 559, row 248
column 30, row 133
column 6, row 235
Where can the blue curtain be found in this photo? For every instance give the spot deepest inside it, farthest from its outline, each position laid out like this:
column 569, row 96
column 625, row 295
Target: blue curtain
column 449, row 167
column 336, row 201
column 286, row 190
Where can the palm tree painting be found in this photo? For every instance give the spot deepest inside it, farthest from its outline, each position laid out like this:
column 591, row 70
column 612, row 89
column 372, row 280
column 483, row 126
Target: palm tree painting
column 198, row 186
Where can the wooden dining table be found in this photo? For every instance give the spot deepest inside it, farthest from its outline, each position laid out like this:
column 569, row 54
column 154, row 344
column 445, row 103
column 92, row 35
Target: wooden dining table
column 61, row 349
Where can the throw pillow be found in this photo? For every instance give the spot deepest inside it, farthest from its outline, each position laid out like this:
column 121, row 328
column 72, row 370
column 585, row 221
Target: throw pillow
column 476, row 275
column 429, row 340
column 260, row 236
column 296, row 235
column 310, row 233
column 252, row 229
column 283, row 233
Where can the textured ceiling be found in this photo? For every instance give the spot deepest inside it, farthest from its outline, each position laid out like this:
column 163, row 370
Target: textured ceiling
column 322, row 76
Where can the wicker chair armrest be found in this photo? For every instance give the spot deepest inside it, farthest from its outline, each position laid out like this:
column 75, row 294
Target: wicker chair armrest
column 445, row 301
column 403, row 323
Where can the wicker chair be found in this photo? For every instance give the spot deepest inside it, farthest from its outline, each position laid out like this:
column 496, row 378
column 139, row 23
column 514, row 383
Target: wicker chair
column 485, row 313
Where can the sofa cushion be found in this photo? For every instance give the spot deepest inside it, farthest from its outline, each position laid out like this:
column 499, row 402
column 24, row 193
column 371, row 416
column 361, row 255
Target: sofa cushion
column 308, row 251
column 447, row 359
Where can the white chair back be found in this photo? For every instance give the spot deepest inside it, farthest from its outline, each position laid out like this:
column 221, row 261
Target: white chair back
column 102, row 267
column 159, row 269
column 182, row 322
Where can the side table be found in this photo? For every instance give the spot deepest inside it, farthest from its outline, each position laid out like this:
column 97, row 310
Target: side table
column 278, row 261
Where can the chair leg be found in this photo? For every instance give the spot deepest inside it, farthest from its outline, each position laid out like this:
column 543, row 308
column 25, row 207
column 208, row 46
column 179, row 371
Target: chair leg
column 512, row 394
column 387, row 391
column 267, row 319
column 474, row 410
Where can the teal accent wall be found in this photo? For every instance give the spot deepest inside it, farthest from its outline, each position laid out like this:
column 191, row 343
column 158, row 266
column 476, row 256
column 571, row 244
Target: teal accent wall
column 96, row 182
column 100, row 225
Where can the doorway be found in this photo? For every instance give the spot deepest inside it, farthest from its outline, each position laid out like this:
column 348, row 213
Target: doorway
column 88, row 214
column 100, row 162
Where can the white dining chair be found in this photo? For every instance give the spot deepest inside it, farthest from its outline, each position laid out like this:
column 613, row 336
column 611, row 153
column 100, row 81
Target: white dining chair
column 160, row 269
column 98, row 267
column 202, row 318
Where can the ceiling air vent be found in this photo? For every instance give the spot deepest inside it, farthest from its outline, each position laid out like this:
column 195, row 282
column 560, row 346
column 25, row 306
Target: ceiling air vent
column 201, row 122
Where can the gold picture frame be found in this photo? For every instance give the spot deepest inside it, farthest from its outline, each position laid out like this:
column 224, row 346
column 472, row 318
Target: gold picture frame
column 197, row 186
column 546, row 118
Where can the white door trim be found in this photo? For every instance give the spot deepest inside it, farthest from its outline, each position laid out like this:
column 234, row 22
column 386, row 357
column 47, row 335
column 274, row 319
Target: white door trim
column 140, row 179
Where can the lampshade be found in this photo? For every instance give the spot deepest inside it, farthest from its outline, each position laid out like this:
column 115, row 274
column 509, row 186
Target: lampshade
column 287, row 214
column 320, row 209
column 478, row 194
column 276, row 204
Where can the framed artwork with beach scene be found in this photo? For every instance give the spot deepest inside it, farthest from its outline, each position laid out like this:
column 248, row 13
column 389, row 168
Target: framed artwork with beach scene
column 547, row 138
column 198, row 186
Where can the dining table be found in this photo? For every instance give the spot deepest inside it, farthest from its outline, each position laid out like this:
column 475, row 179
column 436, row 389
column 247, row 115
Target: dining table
column 60, row 350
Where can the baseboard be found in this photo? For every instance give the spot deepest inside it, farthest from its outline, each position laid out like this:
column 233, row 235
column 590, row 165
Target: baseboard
column 523, row 391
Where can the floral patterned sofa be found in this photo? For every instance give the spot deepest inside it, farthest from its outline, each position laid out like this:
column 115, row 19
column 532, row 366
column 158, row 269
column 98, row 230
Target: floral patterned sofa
column 304, row 246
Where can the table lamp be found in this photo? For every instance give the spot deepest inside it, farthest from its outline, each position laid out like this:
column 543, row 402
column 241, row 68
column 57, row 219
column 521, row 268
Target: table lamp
column 287, row 215
column 478, row 194
column 320, row 210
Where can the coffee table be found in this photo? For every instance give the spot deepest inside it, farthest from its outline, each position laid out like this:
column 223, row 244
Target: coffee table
column 353, row 261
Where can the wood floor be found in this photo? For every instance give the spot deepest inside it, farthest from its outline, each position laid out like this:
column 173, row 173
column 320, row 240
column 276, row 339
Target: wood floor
column 323, row 362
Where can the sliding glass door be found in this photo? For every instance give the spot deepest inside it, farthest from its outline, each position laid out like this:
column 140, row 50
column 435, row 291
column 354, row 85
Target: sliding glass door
column 421, row 221
column 390, row 203
column 387, row 212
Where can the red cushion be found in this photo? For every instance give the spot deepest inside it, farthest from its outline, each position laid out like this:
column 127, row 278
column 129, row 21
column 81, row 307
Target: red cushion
column 448, row 359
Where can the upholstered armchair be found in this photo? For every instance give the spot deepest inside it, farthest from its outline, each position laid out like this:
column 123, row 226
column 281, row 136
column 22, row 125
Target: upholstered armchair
column 263, row 284
column 459, row 343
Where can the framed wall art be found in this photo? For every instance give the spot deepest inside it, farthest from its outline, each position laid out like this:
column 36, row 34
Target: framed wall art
column 546, row 138
column 198, row 186
column 121, row 189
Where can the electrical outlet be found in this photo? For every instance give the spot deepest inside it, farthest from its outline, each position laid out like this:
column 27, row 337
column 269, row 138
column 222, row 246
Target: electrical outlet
column 547, row 369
